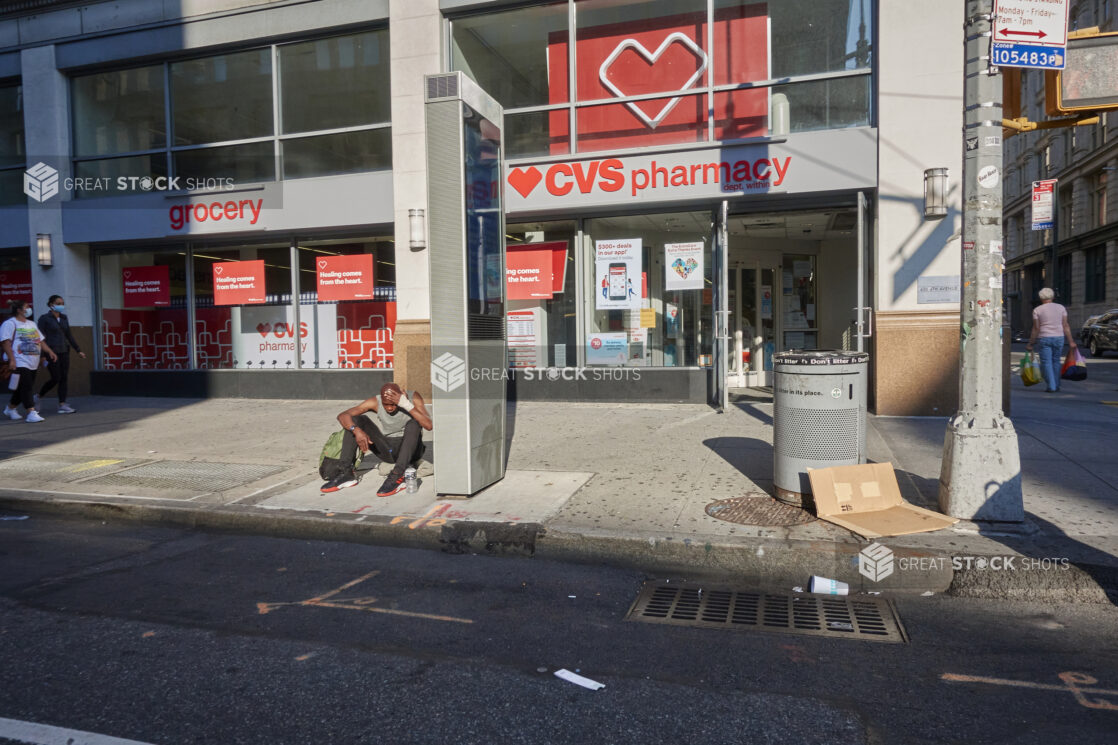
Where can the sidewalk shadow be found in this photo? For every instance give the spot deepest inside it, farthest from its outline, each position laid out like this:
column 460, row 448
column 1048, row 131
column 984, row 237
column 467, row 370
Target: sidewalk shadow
column 1100, row 566
column 752, row 458
column 750, row 408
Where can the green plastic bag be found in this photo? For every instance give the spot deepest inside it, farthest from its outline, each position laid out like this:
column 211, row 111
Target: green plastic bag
column 1030, row 370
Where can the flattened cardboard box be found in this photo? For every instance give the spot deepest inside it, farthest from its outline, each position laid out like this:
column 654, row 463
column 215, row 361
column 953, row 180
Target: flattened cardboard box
column 866, row 500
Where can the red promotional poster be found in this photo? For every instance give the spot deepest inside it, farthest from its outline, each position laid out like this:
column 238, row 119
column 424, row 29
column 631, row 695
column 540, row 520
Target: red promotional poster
column 15, row 284
column 146, row 286
column 528, row 272
column 345, row 277
column 239, row 283
column 670, row 55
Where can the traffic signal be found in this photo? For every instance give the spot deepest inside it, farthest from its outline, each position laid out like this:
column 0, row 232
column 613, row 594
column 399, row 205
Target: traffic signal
column 1088, row 82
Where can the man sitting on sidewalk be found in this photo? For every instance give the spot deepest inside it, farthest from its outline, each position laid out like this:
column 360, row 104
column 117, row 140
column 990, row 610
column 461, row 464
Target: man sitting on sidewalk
column 394, row 438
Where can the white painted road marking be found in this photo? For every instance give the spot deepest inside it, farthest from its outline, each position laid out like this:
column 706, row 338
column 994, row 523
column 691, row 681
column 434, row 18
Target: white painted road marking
column 44, row 734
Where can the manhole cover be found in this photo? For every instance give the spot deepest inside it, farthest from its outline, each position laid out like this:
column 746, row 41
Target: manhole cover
column 758, row 510
column 849, row 617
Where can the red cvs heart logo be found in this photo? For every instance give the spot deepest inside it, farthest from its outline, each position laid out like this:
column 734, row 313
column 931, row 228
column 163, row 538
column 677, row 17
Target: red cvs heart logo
column 127, row 274
column 322, row 263
column 263, row 328
column 217, row 270
column 525, row 180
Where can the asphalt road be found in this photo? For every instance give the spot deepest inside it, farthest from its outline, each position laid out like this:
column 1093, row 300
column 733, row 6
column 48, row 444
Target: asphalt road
column 166, row 636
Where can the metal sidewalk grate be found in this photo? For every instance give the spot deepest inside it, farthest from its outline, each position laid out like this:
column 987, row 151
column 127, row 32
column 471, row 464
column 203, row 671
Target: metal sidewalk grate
column 844, row 617
column 58, row 468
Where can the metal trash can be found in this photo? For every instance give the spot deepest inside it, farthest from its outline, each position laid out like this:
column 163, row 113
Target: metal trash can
column 819, row 417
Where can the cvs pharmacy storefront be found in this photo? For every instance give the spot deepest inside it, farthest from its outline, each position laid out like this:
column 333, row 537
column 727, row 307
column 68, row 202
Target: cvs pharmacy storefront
column 688, row 188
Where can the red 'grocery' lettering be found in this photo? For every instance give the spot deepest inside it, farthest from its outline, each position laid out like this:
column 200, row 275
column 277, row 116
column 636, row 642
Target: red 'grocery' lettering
column 181, row 214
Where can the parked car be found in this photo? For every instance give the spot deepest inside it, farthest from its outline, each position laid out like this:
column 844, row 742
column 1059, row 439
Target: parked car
column 1091, row 320
column 1102, row 334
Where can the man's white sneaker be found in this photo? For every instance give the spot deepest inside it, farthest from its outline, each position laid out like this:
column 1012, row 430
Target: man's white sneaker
column 65, row 409
column 12, row 414
column 33, row 416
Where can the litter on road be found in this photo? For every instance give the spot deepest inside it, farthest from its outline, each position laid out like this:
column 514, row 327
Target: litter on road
column 570, row 677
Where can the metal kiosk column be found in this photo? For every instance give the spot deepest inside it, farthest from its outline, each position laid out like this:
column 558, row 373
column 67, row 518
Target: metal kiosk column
column 467, row 260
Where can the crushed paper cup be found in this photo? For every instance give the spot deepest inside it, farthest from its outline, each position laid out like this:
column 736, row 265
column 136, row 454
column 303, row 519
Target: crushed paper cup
column 825, row 586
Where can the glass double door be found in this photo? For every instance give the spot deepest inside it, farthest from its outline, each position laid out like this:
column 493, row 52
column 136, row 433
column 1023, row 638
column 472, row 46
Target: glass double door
column 753, row 306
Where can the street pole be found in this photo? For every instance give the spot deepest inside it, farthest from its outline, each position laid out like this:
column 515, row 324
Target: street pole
column 980, row 477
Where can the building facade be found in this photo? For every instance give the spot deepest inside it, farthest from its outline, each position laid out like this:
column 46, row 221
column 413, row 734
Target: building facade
column 1078, row 257
column 226, row 191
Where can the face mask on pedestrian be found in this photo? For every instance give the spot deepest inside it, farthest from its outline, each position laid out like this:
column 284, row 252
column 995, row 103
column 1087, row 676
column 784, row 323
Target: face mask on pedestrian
column 27, row 313
column 58, row 308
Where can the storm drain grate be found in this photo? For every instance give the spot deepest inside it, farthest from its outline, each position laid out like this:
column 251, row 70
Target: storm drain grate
column 188, row 475
column 758, row 510
column 846, row 617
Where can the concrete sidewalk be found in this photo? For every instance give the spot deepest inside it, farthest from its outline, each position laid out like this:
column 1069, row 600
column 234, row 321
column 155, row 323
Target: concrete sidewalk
column 634, row 485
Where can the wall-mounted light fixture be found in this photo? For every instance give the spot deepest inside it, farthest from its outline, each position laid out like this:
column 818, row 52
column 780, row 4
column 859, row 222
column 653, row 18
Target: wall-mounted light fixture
column 417, row 230
column 935, row 193
column 42, row 243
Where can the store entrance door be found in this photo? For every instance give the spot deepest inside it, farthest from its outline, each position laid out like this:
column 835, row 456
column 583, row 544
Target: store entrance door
column 754, row 307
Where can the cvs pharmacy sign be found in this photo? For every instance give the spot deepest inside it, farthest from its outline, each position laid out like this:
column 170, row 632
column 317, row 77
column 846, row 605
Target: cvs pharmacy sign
column 662, row 177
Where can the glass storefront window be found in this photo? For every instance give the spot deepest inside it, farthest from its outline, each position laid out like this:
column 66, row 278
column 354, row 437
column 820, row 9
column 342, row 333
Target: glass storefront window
column 348, row 302
column 249, row 163
column 238, row 327
column 332, row 155
column 335, row 83
column 339, row 83
column 111, row 169
column 636, row 48
column 827, row 104
column 227, row 97
column 244, row 305
column 537, row 133
column 648, row 298
column 815, row 36
column 119, row 112
column 541, row 314
column 11, row 188
column 143, row 310
column 13, row 149
column 515, row 55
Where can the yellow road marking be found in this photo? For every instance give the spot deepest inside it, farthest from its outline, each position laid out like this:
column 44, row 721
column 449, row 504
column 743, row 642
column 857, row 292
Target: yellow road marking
column 89, row 465
column 1072, row 684
column 363, row 603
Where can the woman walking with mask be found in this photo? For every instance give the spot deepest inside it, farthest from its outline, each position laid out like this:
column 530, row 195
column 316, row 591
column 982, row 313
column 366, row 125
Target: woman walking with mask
column 1050, row 329
column 56, row 333
column 23, row 344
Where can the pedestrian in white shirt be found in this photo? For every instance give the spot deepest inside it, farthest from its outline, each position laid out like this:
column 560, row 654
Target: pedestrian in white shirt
column 23, row 345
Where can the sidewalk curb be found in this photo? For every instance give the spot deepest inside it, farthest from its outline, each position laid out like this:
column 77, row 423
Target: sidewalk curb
column 767, row 563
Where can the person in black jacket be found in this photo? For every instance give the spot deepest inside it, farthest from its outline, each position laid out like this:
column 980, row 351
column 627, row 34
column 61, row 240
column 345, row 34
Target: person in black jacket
column 55, row 327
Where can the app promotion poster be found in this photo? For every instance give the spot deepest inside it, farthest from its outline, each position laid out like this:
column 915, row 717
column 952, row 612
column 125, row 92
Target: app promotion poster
column 617, row 264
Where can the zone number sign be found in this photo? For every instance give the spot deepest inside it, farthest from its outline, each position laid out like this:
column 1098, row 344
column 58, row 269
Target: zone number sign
column 1030, row 33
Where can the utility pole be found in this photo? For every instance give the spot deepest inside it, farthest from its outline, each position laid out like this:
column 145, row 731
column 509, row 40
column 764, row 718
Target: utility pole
column 980, row 477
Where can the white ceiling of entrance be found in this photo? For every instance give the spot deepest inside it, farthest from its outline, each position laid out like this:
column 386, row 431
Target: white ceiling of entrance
column 815, row 225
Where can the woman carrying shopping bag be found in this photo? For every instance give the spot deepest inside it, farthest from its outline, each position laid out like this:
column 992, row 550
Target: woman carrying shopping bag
column 1050, row 329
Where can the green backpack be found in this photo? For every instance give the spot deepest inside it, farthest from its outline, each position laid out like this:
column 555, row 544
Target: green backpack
column 330, row 462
